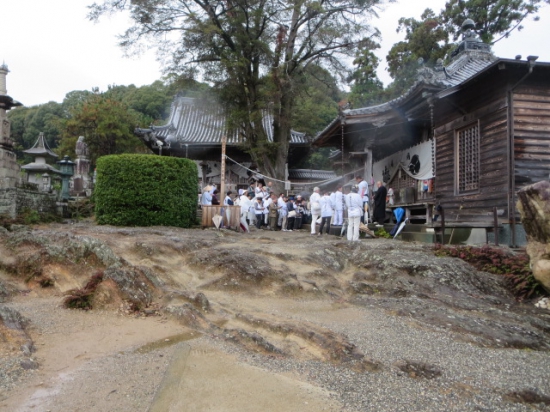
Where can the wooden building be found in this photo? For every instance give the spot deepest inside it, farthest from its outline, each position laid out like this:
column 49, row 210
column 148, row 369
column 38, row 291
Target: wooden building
column 195, row 129
column 465, row 137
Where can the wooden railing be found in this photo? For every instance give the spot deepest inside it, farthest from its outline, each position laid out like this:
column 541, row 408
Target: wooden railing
column 231, row 216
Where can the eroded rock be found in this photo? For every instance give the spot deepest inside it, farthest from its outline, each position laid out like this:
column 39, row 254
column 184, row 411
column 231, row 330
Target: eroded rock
column 534, row 206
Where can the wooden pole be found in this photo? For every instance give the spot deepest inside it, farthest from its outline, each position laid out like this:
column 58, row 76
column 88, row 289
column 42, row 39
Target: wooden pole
column 222, row 177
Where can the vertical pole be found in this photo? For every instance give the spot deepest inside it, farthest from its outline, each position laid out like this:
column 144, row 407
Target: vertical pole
column 495, row 225
column 342, row 131
column 222, row 177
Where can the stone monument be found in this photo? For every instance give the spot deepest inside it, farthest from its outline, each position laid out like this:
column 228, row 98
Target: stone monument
column 9, row 169
column 81, row 180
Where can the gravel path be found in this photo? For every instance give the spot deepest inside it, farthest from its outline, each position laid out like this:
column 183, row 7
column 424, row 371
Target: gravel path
column 472, row 378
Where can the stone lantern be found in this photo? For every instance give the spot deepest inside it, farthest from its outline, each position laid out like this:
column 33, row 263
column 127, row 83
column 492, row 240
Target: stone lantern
column 66, row 166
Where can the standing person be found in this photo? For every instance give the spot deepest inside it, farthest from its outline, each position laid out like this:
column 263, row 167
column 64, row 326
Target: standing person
column 273, row 209
column 267, row 203
column 206, row 198
column 251, row 211
column 326, row 212
column 354, row 203
column 338, row 207
column 281, row 202
column 259, row 211
column 315, row 207
column 300, row 208
column 379, row 213
column 283, row 212
column 228, row 201
column 215, row 200
column 363, row 190
column 245, row 204
column 291, row 214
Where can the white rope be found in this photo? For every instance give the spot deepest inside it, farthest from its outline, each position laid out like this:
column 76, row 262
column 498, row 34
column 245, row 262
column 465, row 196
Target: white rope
column 277, row 180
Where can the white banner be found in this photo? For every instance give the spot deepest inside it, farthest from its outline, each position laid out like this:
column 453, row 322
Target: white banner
column 416, row 161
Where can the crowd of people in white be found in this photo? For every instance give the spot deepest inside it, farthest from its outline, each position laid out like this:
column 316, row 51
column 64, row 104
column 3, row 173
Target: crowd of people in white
column 264, row 209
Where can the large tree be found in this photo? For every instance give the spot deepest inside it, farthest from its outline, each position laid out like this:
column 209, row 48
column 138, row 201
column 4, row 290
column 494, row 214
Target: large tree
column 366, row 87
column 252, row 51
column 425, row 39
column 494, row 19
column 431, row 37
column 106, row 124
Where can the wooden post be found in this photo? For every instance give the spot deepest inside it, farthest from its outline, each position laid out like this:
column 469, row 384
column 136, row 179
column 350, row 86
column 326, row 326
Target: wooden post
column 495, row 224
column 222, row 177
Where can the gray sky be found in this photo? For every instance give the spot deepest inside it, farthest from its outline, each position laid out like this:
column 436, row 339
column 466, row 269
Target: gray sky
column 51, row 48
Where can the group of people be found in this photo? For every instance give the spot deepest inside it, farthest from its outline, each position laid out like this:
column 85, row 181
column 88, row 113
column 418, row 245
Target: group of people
column 264, row 209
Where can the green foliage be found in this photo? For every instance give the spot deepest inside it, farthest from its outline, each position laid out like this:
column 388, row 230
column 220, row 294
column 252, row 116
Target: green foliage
column 366, row 88
column 316, row 102
column 381, row 232
column 31, row 217
column 28, row 122
column 493, row 18
column 426, row 38
column 318, row 159
column 106, row 124
column 515, row 268
column 146, row 190
column 80, row 208
column 253, row 52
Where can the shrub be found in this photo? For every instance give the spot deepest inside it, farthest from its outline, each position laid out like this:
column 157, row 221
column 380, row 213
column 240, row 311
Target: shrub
column 514, row 267
column 145, row 190
column 381, row 232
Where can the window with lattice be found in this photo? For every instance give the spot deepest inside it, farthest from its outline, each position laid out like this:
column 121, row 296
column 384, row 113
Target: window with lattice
column 467, row 142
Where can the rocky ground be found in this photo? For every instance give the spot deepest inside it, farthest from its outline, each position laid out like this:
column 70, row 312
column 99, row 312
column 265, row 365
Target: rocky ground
column 206, row 320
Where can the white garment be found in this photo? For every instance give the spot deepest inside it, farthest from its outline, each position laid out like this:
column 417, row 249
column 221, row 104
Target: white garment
column 338, row 200
column 326, row 206
column 364, row 190
column 353, row 228
column 354, row 203
column 315, row 213
column 282, row 206
column 245, row 204
column 338, row 218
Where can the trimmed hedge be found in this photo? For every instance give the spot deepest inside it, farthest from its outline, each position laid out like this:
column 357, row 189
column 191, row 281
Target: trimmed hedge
column 145, row 190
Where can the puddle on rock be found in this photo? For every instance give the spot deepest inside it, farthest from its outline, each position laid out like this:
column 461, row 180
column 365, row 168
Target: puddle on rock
column 170, row 340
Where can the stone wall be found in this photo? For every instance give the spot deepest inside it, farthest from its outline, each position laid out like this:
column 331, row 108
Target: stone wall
column 13, row 201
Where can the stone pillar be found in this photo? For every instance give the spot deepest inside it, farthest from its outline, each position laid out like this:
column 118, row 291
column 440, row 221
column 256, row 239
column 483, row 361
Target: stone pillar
column 3, row 73
column 9, row 169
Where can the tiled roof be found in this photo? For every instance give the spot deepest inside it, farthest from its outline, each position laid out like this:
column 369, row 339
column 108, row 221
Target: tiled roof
column 195, row 122
column 310, row 174
column 466, row 65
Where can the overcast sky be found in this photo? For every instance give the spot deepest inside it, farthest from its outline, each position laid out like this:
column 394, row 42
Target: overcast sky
column 51, row 48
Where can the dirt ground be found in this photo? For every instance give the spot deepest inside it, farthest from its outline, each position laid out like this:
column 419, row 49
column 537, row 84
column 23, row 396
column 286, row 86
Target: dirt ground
column 264, row 321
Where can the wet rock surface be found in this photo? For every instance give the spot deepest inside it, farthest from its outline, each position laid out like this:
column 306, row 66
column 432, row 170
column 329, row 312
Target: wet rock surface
column 256, row 293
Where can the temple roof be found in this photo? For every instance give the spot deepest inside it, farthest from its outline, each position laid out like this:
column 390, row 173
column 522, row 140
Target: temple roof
column 201, row 123
column 311, row 174
column 41, row 148
column 470, row 58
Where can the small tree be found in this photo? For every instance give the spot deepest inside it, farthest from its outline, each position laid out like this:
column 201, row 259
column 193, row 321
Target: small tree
column 146, row 190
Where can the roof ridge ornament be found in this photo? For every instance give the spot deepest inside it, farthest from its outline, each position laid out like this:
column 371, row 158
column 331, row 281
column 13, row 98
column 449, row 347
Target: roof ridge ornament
column 470, row 40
